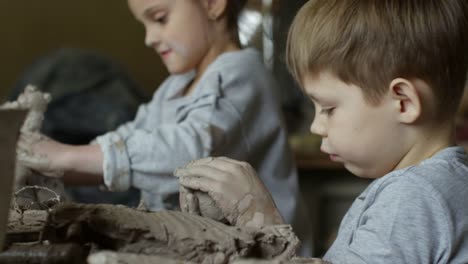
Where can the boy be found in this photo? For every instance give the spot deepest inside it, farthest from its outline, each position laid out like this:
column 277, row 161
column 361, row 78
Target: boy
column 386, row 78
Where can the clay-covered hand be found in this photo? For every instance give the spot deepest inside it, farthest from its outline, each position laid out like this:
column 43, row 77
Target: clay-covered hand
column 200, row 203
column 40, row 153
column 234, row 187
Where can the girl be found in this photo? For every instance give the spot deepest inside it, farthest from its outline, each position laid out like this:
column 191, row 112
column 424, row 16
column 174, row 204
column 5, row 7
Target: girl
column 218, row 101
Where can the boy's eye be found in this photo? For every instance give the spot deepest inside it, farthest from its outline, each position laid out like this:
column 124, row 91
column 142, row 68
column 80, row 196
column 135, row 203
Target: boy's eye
column 327, row 111
column 160, row 18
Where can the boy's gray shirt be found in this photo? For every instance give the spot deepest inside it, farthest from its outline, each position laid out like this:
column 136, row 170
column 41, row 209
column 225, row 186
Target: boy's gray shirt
column 232, row 112
column 414, row 215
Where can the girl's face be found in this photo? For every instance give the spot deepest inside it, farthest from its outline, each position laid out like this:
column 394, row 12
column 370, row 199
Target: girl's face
column 178, row 30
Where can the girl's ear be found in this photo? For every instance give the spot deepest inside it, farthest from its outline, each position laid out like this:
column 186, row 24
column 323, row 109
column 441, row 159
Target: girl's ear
column 407, row 100
column 215, row 8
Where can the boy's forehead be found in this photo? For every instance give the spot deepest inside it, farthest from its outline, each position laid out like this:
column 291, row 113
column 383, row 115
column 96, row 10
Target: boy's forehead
column 324, row 85
column 320, row 79
column 149, row 2
column 313, row 84
column 145, row 5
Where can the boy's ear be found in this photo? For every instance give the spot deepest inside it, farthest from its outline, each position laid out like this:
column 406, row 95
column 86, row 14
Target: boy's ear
column 215, row 8
column 407, row 100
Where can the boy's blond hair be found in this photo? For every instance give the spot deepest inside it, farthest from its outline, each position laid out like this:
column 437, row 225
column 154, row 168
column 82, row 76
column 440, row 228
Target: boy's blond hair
column 368, row 43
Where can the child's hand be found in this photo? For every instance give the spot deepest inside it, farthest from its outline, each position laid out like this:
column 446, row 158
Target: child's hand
column 40, row 153
column 235, row 188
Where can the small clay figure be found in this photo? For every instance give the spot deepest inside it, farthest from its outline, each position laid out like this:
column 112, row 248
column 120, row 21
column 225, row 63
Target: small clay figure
column 35, row 101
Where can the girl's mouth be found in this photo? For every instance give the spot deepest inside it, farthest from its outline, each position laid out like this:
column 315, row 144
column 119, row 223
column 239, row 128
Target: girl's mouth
column 334, row 157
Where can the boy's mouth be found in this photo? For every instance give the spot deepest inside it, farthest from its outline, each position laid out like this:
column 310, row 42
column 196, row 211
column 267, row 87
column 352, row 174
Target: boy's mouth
column 165, row 54
column 333, row 157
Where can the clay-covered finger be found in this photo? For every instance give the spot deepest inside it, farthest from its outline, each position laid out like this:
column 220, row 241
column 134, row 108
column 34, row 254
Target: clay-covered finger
column 187, row 170
column 201, row 184
column 22, row 146
column 192, row 204
column 199, row 162
column 26, row 159
column 229, row 160
column 30, row 137
column 222, row 164
column 36, row 163
column 184, row 206
column 229, row 165
column 212, row 203
column 204, row 171
column 182, row 200
column 24, row 140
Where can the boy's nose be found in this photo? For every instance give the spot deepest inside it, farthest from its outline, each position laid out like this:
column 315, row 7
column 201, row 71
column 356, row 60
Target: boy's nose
column 318, row 127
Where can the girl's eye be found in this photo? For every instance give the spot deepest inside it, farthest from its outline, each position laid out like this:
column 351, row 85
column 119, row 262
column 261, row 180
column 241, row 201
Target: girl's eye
column 327, row 111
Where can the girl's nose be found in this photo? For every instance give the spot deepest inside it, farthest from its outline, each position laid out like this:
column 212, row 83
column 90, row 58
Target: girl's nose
column 152, row 38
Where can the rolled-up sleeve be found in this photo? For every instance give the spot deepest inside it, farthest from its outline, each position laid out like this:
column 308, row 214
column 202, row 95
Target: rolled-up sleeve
column 129, row 159
column 116, row 166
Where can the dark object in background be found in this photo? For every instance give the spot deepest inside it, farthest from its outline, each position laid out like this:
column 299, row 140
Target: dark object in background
column 91, row 95
column 297, row 108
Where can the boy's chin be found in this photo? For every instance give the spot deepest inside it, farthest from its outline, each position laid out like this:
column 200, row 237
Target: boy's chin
column 360, row 172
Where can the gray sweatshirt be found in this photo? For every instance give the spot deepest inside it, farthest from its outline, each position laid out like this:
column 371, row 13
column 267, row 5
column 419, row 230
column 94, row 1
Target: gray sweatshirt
column 414, row 215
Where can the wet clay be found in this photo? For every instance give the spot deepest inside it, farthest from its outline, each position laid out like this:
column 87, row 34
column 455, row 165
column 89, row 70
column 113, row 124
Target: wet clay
column 169, row 234
column 208, row 207
column 109, row 257
column 291, row 261
column 25, row 226
column 36, row 103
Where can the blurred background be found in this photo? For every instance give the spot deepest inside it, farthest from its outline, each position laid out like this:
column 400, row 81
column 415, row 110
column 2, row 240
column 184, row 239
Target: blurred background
column 32, row 29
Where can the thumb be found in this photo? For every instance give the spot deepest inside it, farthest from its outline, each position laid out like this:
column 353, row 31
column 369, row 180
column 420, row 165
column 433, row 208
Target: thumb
column 215, row 192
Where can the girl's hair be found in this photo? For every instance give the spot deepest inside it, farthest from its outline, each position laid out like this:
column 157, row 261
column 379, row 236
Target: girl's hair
column 233, row 10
